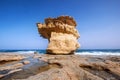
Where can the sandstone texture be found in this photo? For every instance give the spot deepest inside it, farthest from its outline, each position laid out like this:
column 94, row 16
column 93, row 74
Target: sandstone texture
column 61, row 33
column 11, row 63
column 74, row 67
column 10, row 57
column 26, row 62
column 9, row 68
column 62, row 67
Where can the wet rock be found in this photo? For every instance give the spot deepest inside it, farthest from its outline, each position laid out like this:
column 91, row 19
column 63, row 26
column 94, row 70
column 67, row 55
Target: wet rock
column 72, row 67
column 26, row 62
column 9, row 69
column 10, row 72
column 65, row 67
column 12, row 66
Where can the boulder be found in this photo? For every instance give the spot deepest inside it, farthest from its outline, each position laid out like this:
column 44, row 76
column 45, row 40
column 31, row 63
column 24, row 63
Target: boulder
column 61, row 33
column 26, row 62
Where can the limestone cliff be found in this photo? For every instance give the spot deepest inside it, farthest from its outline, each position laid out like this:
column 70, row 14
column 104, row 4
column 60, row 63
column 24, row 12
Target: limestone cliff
column 61, row 33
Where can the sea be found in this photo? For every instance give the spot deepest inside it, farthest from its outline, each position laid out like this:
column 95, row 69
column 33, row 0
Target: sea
column 77, row 52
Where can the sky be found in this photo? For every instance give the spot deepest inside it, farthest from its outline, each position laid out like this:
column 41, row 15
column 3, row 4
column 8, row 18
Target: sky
column 98, row 22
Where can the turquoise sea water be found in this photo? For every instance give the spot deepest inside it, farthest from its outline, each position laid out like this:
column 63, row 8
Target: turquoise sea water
column 79, row 52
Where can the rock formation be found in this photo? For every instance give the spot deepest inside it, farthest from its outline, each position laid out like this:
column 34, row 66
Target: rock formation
column 10, row 57
column 61, row 33
column 78, row 67
column 62, row 67
column 10, row 63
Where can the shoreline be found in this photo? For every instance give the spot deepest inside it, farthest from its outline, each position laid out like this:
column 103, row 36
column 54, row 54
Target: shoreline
column 45, row 66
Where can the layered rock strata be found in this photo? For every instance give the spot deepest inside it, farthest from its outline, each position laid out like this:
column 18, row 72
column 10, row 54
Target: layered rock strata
column 61, row 33
column 4, row 57
column 10, row 63
column 78, row 67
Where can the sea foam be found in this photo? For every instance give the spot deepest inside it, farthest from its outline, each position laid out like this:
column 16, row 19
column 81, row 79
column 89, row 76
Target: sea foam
column 97, row 53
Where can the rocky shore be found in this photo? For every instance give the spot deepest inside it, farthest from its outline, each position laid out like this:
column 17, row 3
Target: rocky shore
column 58, row 67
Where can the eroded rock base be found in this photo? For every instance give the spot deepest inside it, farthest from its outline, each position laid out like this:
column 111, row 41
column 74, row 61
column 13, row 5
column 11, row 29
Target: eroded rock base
column 62, row 43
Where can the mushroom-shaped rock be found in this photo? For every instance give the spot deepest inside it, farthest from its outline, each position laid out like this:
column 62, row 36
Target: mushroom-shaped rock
column 61, row 33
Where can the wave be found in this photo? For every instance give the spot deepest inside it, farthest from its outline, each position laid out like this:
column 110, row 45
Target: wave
column 78, row 52
column 29, row 52
column 25, row 52
column 97, row 53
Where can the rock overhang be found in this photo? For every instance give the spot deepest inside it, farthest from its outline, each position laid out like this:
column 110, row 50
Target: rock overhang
column 61, row 26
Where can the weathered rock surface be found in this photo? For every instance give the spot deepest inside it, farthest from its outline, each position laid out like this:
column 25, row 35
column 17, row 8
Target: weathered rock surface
column 62, row 67
column 61, row 33
column 10, row 63
column 10, row 57
column 26, row 62
column 74, row 67
column 9, row 69
column 13, row 66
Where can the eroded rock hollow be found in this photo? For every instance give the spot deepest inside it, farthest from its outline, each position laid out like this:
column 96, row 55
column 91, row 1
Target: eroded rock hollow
column 61, row 33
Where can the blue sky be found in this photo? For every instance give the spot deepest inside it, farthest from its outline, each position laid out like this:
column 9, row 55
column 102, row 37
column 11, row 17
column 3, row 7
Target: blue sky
column 98, row 22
